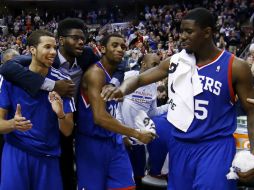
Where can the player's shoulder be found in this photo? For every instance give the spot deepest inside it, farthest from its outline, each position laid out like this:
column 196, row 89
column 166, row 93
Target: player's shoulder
column 56, row 74
column 239, row 64
column 94, row 73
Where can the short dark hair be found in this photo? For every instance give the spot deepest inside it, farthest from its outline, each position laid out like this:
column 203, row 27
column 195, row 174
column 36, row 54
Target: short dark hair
column 68, row 24
column 34, row 37
column 202, row 16
column 161, row 88
column 105, row 39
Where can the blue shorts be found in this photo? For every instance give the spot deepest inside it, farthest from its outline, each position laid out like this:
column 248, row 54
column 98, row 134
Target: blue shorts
column 202, row 165
column 137, row 154
column 158, row 148
column 102, row 163
column 23, row 171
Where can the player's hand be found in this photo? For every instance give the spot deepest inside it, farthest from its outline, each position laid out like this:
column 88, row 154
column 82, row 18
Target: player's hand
column 250, row 100
column 246, row 177
column 65, row 88
column 127, row 141
column 21, row 123
column 146, row 136
column 56, row 104
column 110, row 92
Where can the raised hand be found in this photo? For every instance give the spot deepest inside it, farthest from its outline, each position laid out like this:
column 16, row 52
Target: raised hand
column 21, row 123
column 110, row 92
column 56, row 104
column 65, row 88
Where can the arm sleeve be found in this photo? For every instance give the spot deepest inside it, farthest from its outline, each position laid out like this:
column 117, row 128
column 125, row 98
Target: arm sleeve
column 154, row 111
column 4, row 95
column 69, row 105
column 14, row 72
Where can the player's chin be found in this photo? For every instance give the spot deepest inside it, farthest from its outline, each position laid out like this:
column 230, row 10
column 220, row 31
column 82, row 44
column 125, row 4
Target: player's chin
column 118, row 59
column 49, row 64
column 77, row 53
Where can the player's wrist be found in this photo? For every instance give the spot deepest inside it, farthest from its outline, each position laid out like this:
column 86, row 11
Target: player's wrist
column 61, row 116
column 136, row 134
column 12, row 124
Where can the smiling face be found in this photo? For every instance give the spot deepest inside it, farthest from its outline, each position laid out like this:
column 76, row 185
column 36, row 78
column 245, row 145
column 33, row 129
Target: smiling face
column 44, row 53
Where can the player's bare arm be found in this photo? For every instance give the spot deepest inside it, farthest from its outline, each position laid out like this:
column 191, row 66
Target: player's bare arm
column 242, row 82
column 131, row 84
column 17, row 123
column 92, row 82
column 65, row 119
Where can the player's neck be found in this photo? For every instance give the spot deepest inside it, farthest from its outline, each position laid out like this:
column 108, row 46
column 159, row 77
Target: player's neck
column 109, row 66
column 207, row 55
column 38, row 68
column 68, row 58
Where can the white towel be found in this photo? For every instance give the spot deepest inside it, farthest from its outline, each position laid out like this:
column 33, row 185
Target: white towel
column 243, row 162
column 143, row 123
column 183, row 85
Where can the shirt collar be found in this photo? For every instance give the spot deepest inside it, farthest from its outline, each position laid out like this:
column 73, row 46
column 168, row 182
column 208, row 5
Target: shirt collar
column 63, row 60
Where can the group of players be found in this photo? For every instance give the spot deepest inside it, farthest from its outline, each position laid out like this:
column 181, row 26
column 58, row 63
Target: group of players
column 37, row 106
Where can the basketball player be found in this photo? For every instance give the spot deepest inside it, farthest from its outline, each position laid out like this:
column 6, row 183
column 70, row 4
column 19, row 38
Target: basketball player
column 102, row 161
column 201, row 157
column 73, row 58
column 31, row 153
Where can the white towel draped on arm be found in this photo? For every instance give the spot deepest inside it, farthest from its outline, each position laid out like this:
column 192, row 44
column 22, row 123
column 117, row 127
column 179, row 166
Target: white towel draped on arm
column 183, row 85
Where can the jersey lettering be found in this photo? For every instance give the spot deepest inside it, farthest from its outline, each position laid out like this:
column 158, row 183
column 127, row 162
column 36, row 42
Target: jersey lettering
column 211, row 85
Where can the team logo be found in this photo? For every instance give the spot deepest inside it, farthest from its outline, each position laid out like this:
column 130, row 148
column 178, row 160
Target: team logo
column 173, row 67
column 218, row 69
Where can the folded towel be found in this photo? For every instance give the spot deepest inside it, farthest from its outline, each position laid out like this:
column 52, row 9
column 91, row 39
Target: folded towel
column 183, row 85
column 243, row 162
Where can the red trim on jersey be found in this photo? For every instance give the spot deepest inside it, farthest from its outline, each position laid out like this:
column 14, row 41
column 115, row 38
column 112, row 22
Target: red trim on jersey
column 214, row 59
column 124, row 188
column 230, row 81
column 85, row 98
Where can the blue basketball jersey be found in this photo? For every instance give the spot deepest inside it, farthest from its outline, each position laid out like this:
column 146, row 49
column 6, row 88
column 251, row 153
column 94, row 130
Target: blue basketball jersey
column 43, row 137
column 85, row 122
column 215, row 114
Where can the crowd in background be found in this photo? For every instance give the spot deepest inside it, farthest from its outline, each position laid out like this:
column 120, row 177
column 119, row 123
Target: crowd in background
column 153, row 29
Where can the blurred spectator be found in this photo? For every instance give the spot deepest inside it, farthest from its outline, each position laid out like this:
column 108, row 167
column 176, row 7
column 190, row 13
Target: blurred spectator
column 8, row 55
column 162, row 96
column 250, row 58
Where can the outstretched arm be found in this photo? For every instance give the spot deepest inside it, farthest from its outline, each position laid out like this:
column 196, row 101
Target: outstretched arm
column 131, row 84
column 15, row 72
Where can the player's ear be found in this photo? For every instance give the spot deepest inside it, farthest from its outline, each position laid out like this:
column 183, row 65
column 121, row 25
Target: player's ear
column 208, row 31
column 61, row 40
column 32, row 50
column 103, row 49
